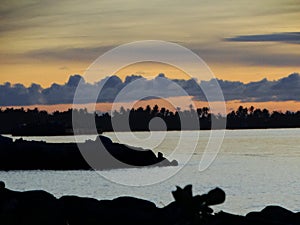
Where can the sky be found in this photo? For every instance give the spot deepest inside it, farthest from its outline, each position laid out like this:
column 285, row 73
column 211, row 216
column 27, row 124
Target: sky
column 45, row 42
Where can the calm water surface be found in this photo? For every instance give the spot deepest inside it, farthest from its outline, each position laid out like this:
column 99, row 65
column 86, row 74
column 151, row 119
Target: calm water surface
column 254, row 167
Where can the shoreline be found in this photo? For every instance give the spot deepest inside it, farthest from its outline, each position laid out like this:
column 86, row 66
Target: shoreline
column 140, row 131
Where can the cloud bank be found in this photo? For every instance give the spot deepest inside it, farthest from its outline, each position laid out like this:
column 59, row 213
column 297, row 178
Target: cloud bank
column 284, row 89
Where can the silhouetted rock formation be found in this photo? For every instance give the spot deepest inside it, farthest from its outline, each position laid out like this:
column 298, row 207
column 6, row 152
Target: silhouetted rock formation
column 40, row 207
column 31, row 155
column 274, row 213
column 29, row 208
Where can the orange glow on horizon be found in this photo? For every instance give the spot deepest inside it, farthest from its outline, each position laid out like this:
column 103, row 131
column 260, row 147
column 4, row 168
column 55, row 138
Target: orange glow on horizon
column 180, row 102
column 47, row 74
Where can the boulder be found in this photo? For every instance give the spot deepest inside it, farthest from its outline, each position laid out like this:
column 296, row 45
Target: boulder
column 42, row 208
column 29, row 208
column 274, row 214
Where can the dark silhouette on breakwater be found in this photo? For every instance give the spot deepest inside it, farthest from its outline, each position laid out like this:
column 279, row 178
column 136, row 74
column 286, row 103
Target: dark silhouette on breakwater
column 40, row 207
column 41, row 123
column 39, row 155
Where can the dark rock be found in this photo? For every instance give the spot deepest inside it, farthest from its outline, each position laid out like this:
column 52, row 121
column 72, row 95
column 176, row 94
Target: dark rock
column 5, row 140
column 2, row 185
column 33, row 155
column 214, row 197
column 79, row 211
column 29, row 208
column 42, row 208
column 105, row 140
column 275, row 215
column 122, row 210
column 223, row 218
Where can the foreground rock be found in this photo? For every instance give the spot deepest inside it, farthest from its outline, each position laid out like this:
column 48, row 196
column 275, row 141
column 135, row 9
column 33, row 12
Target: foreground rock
column 39, row 155
column 29, row 208
column 39, row 207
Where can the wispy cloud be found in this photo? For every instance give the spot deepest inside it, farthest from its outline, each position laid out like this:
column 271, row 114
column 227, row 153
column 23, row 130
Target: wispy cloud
column 72, row 31
column 287, row 37
column 77, row 54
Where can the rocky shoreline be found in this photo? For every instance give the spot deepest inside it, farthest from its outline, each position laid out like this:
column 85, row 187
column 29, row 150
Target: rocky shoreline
column 105, row 154
column 42, row 208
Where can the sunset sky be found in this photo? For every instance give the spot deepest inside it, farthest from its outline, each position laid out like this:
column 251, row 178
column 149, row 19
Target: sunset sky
column 47, row 41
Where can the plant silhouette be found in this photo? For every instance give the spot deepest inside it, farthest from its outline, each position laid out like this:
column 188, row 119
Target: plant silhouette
column 36, row 122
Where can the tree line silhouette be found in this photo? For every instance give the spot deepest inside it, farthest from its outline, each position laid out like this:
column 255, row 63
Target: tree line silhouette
column 40, row 122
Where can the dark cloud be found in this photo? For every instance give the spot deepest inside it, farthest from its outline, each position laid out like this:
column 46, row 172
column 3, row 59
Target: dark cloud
column 18, row 94
column 287, row 37
column 284, row 89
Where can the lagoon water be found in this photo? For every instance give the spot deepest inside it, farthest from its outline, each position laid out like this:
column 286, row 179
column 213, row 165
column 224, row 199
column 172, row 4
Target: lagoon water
column 255, row 168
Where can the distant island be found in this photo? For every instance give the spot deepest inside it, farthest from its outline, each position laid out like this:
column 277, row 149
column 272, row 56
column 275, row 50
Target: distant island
column 21, row 122
column 40, row 155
